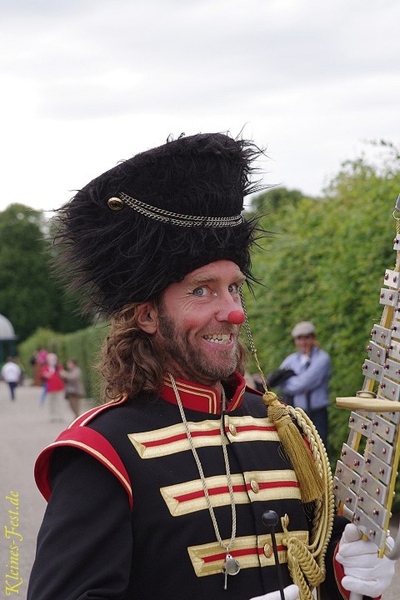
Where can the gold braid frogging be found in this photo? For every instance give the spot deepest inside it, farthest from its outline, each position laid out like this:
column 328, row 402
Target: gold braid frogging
column 307, row 562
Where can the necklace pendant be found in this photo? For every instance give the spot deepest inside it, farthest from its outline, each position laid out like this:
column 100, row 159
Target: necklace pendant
column 231, row 567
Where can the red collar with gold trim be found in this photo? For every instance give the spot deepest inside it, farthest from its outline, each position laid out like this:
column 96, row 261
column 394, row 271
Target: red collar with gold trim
column 199, row 397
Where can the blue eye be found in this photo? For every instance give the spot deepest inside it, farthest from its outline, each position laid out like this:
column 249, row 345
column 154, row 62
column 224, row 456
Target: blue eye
column 234, row 288
column 200, row 291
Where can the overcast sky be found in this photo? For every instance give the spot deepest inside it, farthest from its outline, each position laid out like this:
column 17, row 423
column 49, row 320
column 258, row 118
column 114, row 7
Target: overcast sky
column 87, row 83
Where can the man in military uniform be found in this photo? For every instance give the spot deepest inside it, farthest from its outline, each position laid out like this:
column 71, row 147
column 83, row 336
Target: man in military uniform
column 167, row 490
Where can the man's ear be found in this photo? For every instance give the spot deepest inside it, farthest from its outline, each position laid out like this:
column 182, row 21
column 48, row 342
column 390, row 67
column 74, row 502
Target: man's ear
column 146, row 317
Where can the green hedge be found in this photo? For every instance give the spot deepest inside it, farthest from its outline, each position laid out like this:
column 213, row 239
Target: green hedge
column 83, row 345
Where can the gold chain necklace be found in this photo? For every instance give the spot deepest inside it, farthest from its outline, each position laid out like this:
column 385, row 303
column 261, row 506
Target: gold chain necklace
column 231, row 565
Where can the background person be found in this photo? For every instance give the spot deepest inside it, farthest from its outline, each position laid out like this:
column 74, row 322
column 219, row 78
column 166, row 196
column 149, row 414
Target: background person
column 74, row 390
column 12, row 375
column 54, row 387
column 303, row 377
column 38, row 360
column 161, row 492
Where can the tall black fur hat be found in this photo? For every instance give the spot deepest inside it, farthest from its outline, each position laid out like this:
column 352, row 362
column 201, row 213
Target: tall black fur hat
column 156, row 217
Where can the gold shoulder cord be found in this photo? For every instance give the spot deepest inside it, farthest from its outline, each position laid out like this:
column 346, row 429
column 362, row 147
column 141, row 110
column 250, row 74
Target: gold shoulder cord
column 306, row 562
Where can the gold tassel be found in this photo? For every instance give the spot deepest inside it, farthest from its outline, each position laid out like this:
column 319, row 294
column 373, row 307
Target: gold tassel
column 304, row 465
column 310, row 481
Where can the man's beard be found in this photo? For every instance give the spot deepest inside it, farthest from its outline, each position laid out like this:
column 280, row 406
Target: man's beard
column 194, row 364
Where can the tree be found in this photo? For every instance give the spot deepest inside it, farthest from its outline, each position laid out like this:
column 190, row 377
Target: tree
column 30, row 296
column 275, row 198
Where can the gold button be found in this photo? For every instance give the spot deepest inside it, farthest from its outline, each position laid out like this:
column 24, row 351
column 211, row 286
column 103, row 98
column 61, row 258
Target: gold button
column 232, row 429
column 254, row 486
column 268, row 550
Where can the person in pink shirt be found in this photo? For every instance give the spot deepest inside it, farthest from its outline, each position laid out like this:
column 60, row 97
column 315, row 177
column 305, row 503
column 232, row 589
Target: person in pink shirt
column 50, row 374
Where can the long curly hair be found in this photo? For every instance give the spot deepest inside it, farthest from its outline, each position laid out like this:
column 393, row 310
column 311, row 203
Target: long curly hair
column 131, row 363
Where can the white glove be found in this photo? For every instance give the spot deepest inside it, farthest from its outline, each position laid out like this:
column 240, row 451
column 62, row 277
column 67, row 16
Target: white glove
column 291, row 593
column 365, row 572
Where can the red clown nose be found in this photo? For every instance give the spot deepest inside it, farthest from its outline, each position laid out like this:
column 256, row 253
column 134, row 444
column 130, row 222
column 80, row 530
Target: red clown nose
column 236, row 317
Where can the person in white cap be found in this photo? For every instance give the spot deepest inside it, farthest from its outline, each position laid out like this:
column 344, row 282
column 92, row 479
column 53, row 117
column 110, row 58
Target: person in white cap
column 304, row 377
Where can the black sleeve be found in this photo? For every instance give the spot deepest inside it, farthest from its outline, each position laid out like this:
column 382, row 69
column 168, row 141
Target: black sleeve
column 279, row 376
column 85, row 542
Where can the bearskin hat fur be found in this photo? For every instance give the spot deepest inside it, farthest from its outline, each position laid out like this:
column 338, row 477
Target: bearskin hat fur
column 149, row 221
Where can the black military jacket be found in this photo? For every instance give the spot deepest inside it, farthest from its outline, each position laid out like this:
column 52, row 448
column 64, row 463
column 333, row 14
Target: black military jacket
column 127, row 516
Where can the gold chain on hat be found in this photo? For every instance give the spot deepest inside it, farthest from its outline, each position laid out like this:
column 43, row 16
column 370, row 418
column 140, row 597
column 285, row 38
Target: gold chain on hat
column 117, row 203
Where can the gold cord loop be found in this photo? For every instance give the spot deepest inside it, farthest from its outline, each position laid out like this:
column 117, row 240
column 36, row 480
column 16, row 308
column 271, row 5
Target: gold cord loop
column 306, row 562
column 306, row 452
